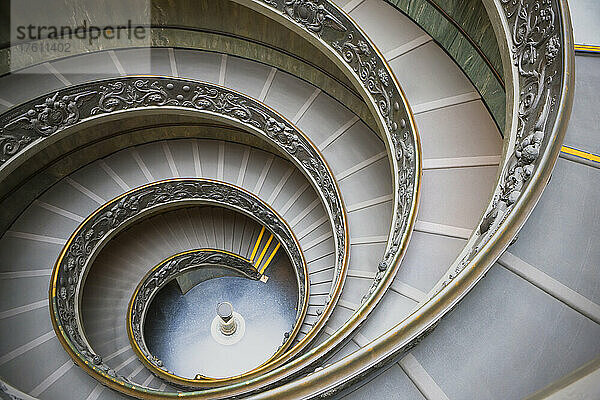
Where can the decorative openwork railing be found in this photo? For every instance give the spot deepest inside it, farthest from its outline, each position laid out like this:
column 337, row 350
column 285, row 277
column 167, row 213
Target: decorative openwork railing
column 26, row 128
column 537, row 44
column 325, row 25
column 536, row 41
column 172, row 268
column 535, row 37
column 217, row 193
column 74, row 262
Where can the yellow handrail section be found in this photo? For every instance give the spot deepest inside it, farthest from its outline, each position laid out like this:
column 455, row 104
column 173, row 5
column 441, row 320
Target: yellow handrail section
column 580, row 153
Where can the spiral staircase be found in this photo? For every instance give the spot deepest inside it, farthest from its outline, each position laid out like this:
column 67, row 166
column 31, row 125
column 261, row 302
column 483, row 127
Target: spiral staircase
column 337, row 173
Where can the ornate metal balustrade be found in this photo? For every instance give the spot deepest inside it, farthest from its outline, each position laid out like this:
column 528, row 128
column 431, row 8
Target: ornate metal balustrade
column 536, row 42
column 216, row 193
column 178, row 265
column 26, row 129
column 535, row 37
column 68, row 277
column 330, row 29
column 10, row 393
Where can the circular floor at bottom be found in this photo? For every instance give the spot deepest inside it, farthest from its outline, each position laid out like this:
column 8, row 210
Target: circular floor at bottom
column 178, row 326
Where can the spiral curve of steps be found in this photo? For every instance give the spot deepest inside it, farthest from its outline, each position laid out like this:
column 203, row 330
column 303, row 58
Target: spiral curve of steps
column 461, row 151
